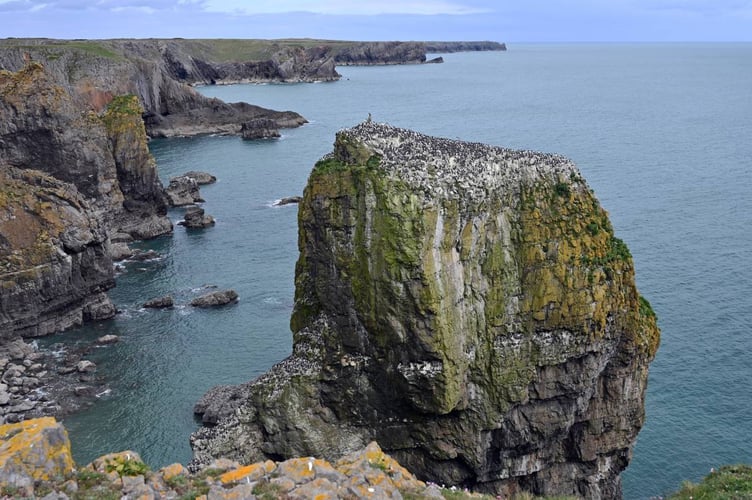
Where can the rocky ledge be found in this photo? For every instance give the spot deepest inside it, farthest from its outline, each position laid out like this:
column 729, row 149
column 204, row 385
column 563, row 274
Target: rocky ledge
column 36, row 462
column 466, row 306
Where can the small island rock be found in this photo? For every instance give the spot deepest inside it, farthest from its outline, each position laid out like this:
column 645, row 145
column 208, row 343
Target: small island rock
column 196, row 218
column 218, row 298
column 183, row 190
column 159, row 302
column 86, row 366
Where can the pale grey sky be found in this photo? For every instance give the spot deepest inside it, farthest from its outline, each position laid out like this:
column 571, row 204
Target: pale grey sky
column 500, row 20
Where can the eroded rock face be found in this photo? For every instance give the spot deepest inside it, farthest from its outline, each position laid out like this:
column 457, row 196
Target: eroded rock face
column 466, row 306
column 43, row 127
column 54, row 261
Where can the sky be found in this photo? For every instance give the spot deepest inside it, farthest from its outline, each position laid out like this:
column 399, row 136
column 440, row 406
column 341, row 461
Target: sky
column 508, row 21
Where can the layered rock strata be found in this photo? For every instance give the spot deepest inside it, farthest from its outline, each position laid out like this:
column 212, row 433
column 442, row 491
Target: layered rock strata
column 54, row 262
column 466, row 306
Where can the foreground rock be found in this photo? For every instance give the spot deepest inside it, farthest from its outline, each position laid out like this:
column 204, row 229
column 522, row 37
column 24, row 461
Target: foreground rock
column 33, row 452
column 466, row 306
column 196, row 218
column 35, row 462
column 213, row 299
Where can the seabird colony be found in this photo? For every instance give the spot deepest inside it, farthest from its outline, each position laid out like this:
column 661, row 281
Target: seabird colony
column 454, row 169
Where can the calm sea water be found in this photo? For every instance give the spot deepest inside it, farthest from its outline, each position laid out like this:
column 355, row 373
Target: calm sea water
column 663, row 133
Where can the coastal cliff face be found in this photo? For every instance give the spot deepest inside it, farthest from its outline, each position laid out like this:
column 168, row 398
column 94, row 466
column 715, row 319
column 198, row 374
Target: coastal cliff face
column 105, row 156
column 54, row 262
column 468, row 307
column 94, row 71
column 71, row 178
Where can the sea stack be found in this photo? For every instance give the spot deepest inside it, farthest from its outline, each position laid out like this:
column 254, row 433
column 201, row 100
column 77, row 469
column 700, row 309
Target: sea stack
column 466, row 306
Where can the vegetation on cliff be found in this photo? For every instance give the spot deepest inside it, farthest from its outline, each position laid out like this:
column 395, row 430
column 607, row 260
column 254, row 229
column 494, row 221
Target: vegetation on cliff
column 468, row 307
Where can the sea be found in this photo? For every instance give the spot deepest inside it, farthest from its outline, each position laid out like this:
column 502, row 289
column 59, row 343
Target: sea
column 661, row 132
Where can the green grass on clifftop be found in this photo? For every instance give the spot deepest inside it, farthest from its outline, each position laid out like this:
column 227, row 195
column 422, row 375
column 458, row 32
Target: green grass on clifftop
column 730, row 482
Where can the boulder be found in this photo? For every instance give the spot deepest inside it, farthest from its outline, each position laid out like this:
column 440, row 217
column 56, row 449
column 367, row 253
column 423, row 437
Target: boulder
column 159, row 302
column 196, row 218
column 218, row 298
column 182, row 191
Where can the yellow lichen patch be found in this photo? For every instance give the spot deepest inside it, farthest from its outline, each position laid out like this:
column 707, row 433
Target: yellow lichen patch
column 298, row 469
column 251, row 472
column 37, row 448
column 173, row 470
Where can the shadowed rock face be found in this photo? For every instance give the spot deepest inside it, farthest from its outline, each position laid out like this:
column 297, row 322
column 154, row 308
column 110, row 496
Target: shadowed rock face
column 54, row 261
column 466, row 306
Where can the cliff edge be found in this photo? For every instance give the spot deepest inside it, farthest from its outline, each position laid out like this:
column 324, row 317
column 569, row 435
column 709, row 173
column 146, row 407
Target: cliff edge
column 466, row 306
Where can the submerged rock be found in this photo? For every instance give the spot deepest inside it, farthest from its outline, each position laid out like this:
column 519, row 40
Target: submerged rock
column 466, row 306
column 218, row 298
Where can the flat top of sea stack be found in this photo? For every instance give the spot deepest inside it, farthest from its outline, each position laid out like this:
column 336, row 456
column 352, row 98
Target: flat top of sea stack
column 454, row 168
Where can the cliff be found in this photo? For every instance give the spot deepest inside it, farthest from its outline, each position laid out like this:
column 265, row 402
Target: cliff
column 72, row 177
column 54, row 263
column 160, row 72
column 156, row 71
column 466, row 306
column 105, row 155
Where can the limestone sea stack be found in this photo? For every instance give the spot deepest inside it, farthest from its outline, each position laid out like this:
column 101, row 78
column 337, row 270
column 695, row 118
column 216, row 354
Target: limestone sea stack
column 466, row 306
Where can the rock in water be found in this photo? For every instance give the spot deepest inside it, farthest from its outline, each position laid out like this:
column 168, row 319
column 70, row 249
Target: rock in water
column 196, row 218
column 160, row 302
column 183, row 190
column 261, row 128
column 213, row 299
column 201, row 178
column 466, row 306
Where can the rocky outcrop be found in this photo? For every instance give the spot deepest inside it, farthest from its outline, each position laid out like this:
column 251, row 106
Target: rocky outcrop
column 259, row 129
column 218, row 298
column 160, row 302
column 288, row 200
column 378, row 53
column 196, row 218
column 201, row 178
column 183, row 190
column 33, row 451
column 54, row 263
column 35, row 462
column 105, row 156
column 466, row 306
column 157, row 72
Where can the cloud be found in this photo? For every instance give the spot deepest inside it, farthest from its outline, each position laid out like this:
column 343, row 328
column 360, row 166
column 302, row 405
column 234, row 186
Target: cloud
column 343, row 7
